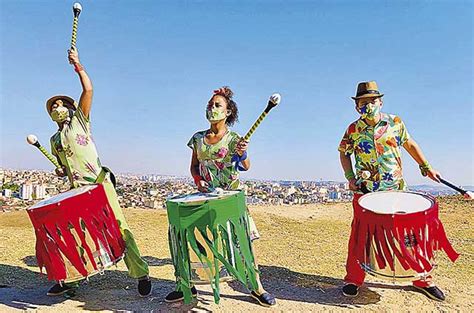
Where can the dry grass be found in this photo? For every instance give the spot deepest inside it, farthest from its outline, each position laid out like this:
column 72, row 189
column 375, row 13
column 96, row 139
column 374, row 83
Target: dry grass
column 302, row 255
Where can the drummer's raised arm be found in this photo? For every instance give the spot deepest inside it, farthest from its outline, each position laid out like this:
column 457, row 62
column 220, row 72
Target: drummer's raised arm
column 85, row 102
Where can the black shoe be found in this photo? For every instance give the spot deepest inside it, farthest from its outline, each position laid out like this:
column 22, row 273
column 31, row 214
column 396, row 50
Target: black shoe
column 176, row 296
column 432, row 292
column 350, row 290
column 264, row 299
column 57, row 290
column 144, row 287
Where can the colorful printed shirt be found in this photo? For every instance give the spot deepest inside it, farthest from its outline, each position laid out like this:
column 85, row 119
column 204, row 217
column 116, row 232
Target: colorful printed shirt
column 74, row 148
column 377, row 150
column 215, row 160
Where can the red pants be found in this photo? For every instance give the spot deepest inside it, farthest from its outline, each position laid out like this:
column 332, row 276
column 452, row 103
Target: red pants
column 354, row 272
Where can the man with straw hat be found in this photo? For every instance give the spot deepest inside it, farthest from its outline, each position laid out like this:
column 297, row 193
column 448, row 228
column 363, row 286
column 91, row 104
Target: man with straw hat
column 76, row 152
column 375, row 140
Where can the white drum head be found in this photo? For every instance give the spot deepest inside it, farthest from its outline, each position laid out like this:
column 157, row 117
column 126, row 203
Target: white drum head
column 395, row 202
column 201, row 197
column 63, row 196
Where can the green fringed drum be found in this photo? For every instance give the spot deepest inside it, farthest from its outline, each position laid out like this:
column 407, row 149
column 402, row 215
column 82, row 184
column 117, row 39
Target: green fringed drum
column 209, row 239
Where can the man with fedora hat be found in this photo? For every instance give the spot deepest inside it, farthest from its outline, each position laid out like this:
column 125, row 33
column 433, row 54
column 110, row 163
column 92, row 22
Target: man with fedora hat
column 375, row 140
column 76, row 152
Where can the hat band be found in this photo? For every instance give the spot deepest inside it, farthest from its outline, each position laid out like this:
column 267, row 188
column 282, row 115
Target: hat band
column 376, row 92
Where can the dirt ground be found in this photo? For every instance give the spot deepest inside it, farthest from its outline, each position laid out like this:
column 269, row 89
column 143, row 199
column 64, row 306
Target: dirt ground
column 301, row 253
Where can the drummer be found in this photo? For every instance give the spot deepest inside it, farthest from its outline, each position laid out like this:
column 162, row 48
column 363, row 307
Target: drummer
column 212, row 167
column 76, row 152
column 375, row 140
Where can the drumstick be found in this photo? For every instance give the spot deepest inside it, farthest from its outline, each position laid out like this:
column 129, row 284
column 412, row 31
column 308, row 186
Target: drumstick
column 363, row 175
column 458, row 189
column 76, row 9
column 33, row 140
column 363, row 188
column 272, row 102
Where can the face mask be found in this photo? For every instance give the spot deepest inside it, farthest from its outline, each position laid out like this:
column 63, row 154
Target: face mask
column 60, row 114
column 215, row 115
column 369, row 111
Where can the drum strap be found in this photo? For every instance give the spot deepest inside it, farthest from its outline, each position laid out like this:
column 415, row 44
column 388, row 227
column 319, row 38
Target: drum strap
column 103, row 174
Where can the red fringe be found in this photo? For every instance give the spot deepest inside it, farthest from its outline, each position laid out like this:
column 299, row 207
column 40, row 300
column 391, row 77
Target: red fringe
column 423, row 231
column 53, row 224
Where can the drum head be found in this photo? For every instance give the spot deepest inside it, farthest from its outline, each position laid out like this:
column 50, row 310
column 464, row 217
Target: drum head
column 62, row 196
column 396, row 202
column 202, row 197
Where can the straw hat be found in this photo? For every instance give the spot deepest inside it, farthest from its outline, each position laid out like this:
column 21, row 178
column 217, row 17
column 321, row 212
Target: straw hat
column 65, row 98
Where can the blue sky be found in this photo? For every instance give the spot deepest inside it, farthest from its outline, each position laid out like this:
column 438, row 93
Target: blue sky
column 154, row 65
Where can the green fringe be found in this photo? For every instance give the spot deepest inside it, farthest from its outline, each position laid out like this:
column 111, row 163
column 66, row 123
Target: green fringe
column 213, row 216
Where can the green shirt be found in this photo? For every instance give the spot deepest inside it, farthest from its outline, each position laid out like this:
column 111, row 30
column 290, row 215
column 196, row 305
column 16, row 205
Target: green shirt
column 74, row 148
column 377, row 150
column 215, row 165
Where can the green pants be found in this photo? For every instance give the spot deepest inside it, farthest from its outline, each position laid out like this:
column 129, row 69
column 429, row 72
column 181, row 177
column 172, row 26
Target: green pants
column 137, row 267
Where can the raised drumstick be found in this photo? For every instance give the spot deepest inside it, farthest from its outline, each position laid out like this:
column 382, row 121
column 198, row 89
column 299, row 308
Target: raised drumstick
column 76, row 9
column 272, row 102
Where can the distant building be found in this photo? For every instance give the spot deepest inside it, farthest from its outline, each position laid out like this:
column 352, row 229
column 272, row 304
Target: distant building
column 334, row 195
column 7, row 193
column 290, row 191
column 344, row 186
column 26, row 192
column 39, row 191
column 153, row 204
column 323, row 191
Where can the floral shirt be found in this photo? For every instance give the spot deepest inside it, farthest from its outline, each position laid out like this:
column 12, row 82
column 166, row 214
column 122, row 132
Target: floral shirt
column 215, row 164
column 74, row 148
column 377, row 150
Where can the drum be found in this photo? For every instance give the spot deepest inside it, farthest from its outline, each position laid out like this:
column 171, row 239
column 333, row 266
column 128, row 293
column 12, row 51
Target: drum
column 209, row 240
column 397, row 234
column 77, row 234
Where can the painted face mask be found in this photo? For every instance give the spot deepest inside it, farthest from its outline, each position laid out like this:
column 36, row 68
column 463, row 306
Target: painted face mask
column 215, row 115
column 60, row 114
column 369, row 111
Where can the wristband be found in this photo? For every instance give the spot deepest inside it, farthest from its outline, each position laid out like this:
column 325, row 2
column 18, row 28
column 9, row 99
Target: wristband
column 349, row 174
column 243, row 157
column 237, row 160
column 197, row 179
column 425, row 167
column 78, row 67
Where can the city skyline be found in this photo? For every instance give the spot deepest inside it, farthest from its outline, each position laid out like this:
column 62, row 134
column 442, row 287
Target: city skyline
column 21, row 189
column 156, row 177
column 155, row 67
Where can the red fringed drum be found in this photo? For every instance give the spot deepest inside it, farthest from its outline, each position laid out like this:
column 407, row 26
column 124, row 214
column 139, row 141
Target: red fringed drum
column 77, row 234
column 397, row 234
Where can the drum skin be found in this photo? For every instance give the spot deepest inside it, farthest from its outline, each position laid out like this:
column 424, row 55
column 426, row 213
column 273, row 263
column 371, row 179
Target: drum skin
column 77, row 234
column 210, row 230
column 397, row 245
